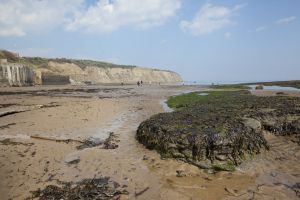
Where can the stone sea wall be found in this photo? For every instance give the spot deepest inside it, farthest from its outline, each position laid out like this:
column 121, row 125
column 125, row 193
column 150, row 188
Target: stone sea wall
column 52, row 79
column 16, row 74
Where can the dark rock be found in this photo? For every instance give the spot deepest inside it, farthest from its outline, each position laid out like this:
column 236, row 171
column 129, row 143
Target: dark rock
column 180, row 173
column 259, row 87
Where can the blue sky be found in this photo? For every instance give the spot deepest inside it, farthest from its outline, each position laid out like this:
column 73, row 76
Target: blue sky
column 203, row 40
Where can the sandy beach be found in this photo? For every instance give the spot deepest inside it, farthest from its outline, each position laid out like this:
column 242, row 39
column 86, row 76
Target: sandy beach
column 41, row 127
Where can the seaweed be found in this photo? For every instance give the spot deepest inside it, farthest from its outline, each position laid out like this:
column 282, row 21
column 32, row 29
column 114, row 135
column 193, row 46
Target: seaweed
column 88, row 189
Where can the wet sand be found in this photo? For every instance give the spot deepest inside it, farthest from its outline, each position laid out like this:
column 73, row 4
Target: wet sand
column 79, row 113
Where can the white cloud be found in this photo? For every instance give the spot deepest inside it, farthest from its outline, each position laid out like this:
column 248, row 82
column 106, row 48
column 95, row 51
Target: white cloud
column 19, row 17
column 261, row 28
column 210, row 18
column 107, row 16
column 227, row 35
column 286, row 20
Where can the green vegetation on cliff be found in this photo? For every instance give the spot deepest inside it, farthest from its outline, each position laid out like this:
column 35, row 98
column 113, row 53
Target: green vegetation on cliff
column 43, row 62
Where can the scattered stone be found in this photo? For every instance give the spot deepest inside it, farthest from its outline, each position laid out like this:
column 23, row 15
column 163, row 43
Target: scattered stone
column 296, row 188
column 109, row 143
column 145, row 157
column 274, row 174
column 72, row 159
column 180, row 173
column 231, row 191
column 221, row 157
column 259, row 87
column 89, row 143
column 207, row 178
column 252, row 123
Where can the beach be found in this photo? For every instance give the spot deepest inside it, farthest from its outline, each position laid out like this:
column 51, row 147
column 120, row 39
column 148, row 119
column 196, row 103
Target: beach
column 42, row 127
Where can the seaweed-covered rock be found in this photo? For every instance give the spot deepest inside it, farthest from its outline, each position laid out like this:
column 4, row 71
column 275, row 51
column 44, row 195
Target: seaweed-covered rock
column 259, row 87
column 227, row 125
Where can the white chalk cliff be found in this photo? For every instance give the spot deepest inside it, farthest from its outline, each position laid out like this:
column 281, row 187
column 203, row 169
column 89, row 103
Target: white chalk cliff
column 111, row 75
column 19, row 71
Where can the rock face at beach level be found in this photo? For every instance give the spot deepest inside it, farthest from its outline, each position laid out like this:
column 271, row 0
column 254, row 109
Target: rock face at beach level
column 222, row 131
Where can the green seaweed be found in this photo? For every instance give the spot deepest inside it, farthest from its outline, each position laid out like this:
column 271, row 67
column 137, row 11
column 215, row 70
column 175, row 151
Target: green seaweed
column 228, row 166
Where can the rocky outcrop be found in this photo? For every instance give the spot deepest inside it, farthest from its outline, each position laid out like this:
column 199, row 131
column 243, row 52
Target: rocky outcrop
column 259, row 87
column 222, row 129
column 17, row 74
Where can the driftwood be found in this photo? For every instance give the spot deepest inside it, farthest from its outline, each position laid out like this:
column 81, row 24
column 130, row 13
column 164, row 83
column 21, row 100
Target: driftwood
column 10, row 112
column 56, row 139
column 141, row 192
column 27, row 108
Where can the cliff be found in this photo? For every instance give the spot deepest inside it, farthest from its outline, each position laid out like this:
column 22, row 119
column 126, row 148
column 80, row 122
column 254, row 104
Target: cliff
column 80, row 71
column 96, row 74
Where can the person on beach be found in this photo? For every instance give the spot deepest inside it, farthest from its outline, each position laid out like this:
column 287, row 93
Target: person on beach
column 138, row 83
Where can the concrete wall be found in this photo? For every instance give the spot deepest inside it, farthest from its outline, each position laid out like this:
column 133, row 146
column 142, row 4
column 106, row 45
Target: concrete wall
column 51, row 79
column 17, row 74
column 3, row 75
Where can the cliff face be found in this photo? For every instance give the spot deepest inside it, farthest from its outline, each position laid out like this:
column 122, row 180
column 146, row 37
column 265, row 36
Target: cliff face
column 111, row 75
column 132, row 75
column 36, row 70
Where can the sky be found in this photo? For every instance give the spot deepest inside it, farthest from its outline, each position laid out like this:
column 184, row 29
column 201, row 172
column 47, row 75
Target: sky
column 220, row 41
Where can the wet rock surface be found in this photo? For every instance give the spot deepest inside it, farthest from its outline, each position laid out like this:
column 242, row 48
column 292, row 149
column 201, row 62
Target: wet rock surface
column 222, row 129
column 101, row 188
column 80, row 92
